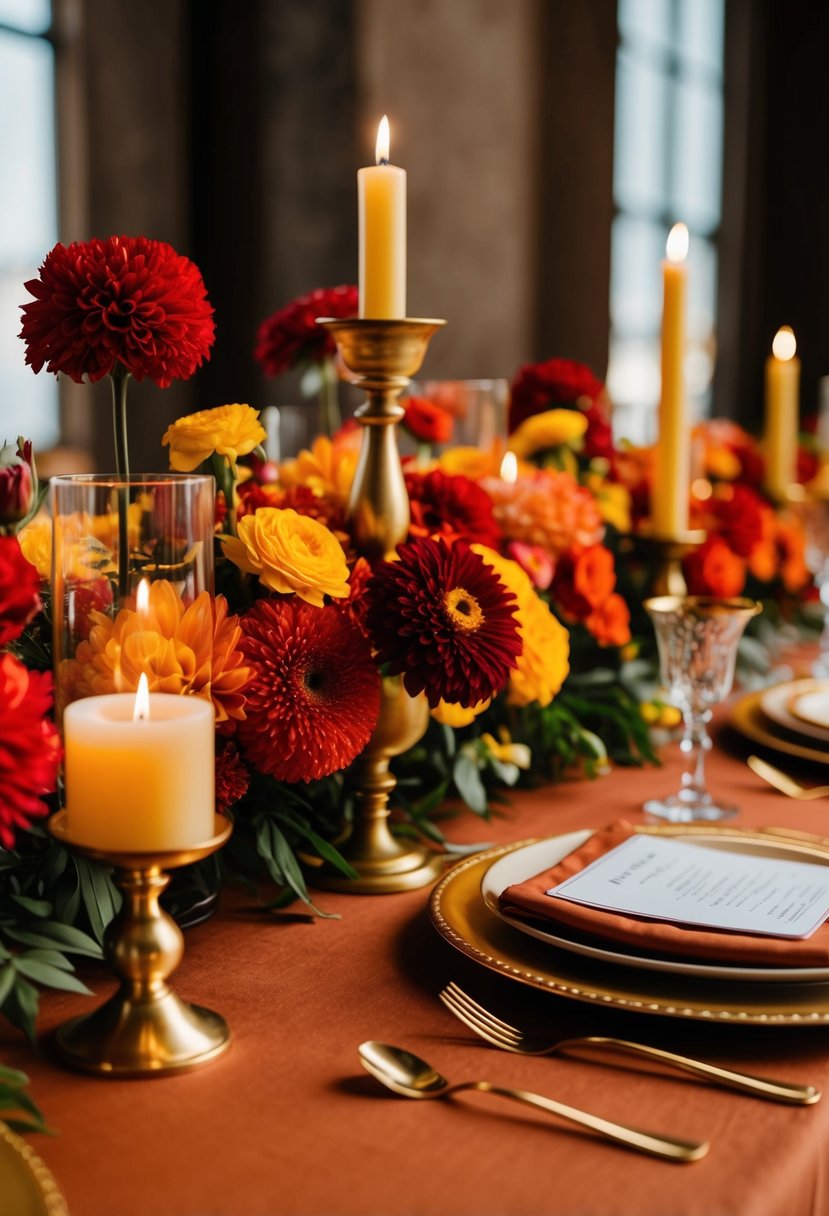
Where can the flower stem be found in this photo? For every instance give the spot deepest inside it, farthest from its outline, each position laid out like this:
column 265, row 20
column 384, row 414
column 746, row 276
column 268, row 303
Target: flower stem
column 119, row 378
column 329, row 398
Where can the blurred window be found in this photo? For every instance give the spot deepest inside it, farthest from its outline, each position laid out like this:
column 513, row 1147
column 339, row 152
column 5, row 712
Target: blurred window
column 28, row 208
column 667, row 167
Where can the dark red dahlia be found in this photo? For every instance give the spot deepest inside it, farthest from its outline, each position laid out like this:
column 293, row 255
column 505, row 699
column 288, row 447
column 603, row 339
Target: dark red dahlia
column 126, row 300
column 314, row 696
column 292, row 336
column 546, row 386
column 29, row 746
column 451, row 506
column 232, row 778
column 441, row 618
column 739, row 512
column 19, row 587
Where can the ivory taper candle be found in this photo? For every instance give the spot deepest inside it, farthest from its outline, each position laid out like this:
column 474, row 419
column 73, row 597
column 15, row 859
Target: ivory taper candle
column 782, row 413
column 672, row 471
column 381, row 196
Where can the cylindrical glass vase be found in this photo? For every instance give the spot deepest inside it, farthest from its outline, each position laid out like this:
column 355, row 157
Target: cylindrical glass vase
column 129, row 557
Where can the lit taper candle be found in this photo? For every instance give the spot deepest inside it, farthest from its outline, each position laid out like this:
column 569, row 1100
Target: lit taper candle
column 672, row 471
column 782, row 413
column 381, row 196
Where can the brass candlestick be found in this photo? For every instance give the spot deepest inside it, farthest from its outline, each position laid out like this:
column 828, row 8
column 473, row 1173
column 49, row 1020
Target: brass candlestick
column 663, row 559
column 383, row 355
column 143, row 1030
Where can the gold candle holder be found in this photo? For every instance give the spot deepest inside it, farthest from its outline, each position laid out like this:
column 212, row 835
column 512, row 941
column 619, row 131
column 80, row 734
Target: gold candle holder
column 382, row 356
column 143, row 1030
column 663, row 559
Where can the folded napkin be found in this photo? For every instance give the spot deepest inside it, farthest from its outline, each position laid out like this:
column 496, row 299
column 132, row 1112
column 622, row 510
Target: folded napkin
column 527, row 900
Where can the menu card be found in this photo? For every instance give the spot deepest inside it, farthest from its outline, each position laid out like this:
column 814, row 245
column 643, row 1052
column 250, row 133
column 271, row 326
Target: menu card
column 685, row 883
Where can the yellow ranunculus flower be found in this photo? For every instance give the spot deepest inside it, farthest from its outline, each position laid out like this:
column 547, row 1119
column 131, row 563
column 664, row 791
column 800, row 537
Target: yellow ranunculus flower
column 552, row 429
column 291, row 553
column 36, row 542
column 469, row 462
column 448, row 713
column 545, row 658
column 506, row 751
column 229, row 430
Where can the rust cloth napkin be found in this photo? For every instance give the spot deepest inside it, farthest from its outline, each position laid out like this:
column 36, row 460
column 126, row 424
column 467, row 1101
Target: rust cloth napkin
column 527, row 900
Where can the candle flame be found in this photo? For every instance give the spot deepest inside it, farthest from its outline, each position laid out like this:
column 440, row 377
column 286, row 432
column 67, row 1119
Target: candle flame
column 784, row 344
column 509, row 467
column 142, row 597
column 676, row 246
column 142, row 700
column 381, row 151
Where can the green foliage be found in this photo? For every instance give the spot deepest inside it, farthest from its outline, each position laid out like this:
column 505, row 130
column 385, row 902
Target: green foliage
column 17, row 1109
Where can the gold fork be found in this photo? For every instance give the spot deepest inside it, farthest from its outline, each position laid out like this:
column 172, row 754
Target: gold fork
column 783, row 782
column 509, row 1038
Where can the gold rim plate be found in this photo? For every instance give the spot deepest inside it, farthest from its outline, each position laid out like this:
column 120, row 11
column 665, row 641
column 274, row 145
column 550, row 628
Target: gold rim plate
column 462, row 918
column 748, row 718
column 26, row 1186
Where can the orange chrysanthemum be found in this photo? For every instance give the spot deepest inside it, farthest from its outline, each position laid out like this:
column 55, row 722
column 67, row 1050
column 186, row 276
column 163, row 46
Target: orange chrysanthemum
column 192, row 651
column 549, row 509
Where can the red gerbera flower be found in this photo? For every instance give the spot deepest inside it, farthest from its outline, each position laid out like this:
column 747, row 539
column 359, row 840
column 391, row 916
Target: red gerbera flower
column 451, row 506
column 292, row 336
column 441, row 618
column 314, row 697
column 426, row 421
column 29, row 746
column 19, row 586
column 124, row 299
column 232, row 778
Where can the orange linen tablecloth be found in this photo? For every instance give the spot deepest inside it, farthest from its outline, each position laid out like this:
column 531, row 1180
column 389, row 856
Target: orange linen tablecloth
column 288, row 1123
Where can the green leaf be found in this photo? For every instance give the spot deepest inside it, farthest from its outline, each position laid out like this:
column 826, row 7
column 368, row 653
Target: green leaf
column 468, row 781
column 50, row 934
column 100, row 896
column 38, row 907
column 46, row 973
column 7, row 978
column 21, row 1006
column 293, row 874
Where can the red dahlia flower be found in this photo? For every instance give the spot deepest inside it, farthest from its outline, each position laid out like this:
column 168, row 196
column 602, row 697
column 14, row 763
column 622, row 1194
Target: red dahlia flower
column 19, row 587
column 29, row 746
column 442, row 619
column 563, row 382
column 291, row 336
column 452, row 506
column 125, row 300
column 232, row 778
column 314, row 697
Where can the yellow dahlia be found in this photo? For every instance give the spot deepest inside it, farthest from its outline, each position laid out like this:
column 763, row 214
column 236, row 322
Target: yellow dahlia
column 229, row 430
column 449, row 713
column 544, row 661
column 191, row 651
column 290, row 553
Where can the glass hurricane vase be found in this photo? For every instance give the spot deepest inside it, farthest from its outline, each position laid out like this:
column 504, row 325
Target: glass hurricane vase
column 697, row 637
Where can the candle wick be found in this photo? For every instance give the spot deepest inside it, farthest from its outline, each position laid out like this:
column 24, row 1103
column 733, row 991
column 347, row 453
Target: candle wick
column 384, row 160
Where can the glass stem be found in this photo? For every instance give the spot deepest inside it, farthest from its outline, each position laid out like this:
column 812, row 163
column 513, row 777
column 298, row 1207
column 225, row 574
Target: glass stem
column 696, row 742
column 119, row 378
column 329, row 398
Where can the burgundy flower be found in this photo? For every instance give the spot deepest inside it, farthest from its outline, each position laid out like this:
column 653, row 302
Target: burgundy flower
column 545, row 386
column 291, row 336
column 441, row 618
column 29, row 746
column 17, row 484
column 232, row 778
column 19, row 587
column 126, row 300
column 452, row 506
column 314, row 697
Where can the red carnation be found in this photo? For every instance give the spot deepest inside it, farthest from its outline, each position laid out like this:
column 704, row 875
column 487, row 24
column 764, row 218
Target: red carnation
column 19, row 587
column 545, row 386
column 29, row 746
column 454, row 507
column 426, row 421
column 125, row 300
column 314, row 697
column 232, row 778
column 739, row 512
column 292, row 336
column 441, row 618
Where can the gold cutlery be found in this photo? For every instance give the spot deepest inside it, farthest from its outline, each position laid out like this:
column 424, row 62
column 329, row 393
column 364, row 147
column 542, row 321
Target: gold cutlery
column 783, row 782
column 510, row 1038
column 412, row 1077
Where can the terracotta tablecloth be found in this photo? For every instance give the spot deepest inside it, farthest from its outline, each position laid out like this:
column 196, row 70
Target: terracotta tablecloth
column 287, row 1122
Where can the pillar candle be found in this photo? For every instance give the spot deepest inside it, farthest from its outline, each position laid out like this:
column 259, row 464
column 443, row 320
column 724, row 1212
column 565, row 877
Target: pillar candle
column 381, row 197
column 669, row 509
column 782, row 413
column 139, row 784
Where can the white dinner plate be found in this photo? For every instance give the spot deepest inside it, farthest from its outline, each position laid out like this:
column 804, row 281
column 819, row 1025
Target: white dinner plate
column 790, row 706
column 523, row 863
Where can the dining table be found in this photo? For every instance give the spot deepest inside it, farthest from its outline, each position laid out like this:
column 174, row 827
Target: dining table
column 288, row 1123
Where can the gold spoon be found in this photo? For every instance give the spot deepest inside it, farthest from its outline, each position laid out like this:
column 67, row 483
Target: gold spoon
column 783, row 782
column 412, row 1077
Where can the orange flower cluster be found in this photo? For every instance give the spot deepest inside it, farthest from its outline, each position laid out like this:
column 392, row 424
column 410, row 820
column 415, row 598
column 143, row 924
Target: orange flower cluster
column 584, row 589
column 548, row 508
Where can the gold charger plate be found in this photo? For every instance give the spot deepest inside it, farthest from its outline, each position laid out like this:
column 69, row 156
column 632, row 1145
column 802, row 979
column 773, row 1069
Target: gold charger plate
column 462, row 918
column 26, row 1186
column 748, row 718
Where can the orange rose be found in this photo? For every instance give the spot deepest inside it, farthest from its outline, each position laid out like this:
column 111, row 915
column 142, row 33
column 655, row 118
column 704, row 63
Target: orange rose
column 714, row 569
column 610, row 623
column 584, row 579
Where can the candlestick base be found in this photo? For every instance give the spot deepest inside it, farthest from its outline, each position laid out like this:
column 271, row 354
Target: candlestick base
column 662, row 556
column 143, row 1030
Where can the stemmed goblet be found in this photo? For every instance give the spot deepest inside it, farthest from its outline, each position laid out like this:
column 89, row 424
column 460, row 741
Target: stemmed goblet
column 697, row 638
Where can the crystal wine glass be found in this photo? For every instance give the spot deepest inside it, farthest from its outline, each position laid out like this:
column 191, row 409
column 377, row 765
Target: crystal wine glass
column 814, row 514
column 697, row 638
